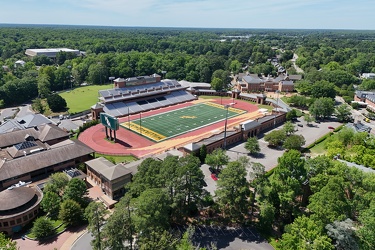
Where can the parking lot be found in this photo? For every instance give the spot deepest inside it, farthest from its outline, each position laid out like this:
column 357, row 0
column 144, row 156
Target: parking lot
column 268, row 156
column 228, row 238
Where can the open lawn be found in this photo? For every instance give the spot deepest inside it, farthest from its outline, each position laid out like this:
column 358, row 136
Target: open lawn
column 82, row 98
column 173, row 123
column 117, row 158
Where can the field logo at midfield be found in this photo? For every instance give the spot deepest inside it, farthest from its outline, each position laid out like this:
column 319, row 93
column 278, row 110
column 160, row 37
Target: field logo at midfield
column 188, row 117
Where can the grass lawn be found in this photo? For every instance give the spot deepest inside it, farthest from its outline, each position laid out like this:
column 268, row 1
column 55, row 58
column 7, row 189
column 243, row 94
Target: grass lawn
column 117, row 158
column 82, row 98
column 284, row 99
column 173, row 123
column 262, row 106
column 318, row 149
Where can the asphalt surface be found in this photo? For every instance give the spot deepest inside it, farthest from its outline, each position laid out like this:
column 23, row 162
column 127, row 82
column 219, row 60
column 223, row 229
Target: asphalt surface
column 83, row 242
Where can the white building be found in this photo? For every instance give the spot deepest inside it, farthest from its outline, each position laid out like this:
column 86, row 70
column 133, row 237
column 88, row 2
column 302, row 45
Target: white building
column 51, row 53
column 368, row 75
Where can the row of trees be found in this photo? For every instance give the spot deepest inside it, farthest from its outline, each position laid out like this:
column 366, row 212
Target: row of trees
column 285, row 137
column 64, row 200
column 163, row 194
column 317, row 202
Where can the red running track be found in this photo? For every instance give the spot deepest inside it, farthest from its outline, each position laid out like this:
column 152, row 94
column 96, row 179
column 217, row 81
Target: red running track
column 129, row 142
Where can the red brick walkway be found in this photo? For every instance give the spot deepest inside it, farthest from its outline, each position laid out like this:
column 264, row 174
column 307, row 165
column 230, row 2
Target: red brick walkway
column 129, row 142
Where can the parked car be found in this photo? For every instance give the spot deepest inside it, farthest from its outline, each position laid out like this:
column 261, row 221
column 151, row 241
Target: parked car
column 299, row 125
column 331, row 127
column 214, row 177
column 212, row 170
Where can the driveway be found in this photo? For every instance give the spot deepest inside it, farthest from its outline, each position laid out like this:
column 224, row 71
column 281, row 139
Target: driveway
column 229, row 238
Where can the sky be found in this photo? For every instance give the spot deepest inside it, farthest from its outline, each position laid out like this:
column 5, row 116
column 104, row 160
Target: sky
column 271, row 14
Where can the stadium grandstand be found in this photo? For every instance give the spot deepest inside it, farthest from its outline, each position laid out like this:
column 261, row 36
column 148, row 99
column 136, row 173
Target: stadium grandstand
column 143, row 93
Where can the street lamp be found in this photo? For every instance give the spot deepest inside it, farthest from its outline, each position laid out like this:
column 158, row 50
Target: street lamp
column 164, row 72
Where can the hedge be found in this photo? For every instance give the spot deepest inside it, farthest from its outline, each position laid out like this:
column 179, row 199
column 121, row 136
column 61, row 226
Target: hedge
column 339, row 128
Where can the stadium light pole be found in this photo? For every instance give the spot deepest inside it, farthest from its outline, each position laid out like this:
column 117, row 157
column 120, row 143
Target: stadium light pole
column 111, row 78
column 70, row 76
column 277, row 107
column 225, row 126
column 100, row 72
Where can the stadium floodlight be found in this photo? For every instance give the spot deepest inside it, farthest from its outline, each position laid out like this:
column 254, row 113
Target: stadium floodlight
column 225, row 125
column 164, row 72
column 111, row 78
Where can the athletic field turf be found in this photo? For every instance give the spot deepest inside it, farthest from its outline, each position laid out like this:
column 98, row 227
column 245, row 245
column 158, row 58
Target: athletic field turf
column 173, row 123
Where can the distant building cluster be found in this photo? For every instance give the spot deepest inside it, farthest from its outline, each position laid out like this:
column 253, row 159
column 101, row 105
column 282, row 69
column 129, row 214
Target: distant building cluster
column 30, row 154
column 254, row 83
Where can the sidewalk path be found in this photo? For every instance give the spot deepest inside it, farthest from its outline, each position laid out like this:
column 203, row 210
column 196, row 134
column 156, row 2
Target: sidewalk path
column 63, row 241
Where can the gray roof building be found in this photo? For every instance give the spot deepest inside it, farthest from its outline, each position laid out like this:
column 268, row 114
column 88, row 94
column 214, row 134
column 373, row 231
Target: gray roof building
column 28, row 121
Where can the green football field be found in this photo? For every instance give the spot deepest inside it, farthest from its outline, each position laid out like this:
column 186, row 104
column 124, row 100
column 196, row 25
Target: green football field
column 173, row 123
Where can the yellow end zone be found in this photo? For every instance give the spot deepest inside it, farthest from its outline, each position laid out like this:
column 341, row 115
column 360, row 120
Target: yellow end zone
column 145, row 131
column 238, row 111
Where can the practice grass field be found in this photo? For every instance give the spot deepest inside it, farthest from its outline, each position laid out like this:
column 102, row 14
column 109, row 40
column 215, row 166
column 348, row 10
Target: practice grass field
column 82, row 98
column 173, row 123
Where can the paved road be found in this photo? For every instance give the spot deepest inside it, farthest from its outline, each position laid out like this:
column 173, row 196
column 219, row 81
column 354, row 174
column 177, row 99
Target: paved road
column 298, row 69
column 83, row 243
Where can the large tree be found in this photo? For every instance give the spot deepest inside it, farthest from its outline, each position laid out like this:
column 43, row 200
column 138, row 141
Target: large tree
column 322, row 108
column 151, row 212
column 275, row 138
column 304, row 233
column 252, row 145
column 294, row 142
column 323, row 89
column 233, row 191
column 42, row 228
column 70, row 212
column 76, row 190
column 343, row 234
column 95, row 214
column 289, row 128
column 120, row 226
column 56, row 183
column 51, row 203
column 343, row 113
column 217, row 158
column 56, row 103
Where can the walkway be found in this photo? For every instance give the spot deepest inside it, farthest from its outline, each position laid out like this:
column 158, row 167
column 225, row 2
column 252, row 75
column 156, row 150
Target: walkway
column 63, row 241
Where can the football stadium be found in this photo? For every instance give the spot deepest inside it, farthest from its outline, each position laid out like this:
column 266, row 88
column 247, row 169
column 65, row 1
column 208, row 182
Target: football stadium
column 156, row 115
column 166, row 125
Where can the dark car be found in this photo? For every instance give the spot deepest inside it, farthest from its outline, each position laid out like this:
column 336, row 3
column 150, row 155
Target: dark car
column 331, row 127
column 299, row 125
column 212, row 170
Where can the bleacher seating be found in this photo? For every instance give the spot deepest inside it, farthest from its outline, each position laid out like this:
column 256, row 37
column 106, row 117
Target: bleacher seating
column 124, row 101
